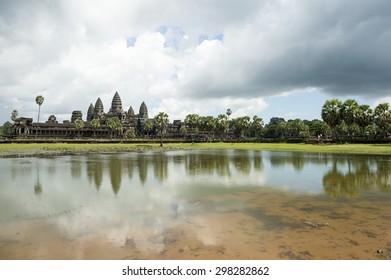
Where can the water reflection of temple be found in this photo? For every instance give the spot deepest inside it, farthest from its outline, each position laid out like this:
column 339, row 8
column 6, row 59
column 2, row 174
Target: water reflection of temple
column 339, row 176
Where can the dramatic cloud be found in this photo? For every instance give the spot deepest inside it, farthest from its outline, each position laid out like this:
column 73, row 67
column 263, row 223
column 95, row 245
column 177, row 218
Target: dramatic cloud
column 189, row 56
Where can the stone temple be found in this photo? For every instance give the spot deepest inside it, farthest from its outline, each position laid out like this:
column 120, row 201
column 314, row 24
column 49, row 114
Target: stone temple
column 25, row 127
column 128, row 118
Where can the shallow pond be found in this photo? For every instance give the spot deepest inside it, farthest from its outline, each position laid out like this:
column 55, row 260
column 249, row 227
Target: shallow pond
column 212, row 204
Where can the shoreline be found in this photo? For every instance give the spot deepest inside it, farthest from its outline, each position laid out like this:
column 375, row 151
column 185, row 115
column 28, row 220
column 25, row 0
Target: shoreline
column 55, row 149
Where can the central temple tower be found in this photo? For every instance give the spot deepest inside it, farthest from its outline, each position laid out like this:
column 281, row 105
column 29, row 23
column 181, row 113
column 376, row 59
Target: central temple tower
column 116, row 104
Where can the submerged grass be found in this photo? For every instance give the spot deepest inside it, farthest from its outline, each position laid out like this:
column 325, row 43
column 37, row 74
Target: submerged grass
column 59, row 148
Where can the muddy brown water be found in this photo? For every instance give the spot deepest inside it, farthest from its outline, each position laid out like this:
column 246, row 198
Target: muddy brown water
column 196, row 205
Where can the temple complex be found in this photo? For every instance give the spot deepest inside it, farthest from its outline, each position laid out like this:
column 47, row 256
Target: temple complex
column 25, row 127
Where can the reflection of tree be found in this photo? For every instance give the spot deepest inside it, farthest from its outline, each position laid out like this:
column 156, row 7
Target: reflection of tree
column 38, row 187
column 130, row 166
column 222, row 165
column 52, row 166
column 193, row 164
column 297, row 160
column 142, row 163
column 359, row 176
column 258, row 163
column 196, row 164
column 383, row 178
column 160, row 166
column 115, row 169
column 95, row 170
column 75, row 167
column 338, row 185
column 242, row 162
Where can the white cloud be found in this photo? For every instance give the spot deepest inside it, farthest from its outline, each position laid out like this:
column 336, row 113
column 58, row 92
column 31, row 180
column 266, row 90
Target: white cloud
column 73, row 52
column 180, row 108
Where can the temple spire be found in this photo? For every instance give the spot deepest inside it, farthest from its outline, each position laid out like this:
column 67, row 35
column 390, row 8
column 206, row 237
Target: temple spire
column 98, row 110
column 143, row 113
column 90, row 113
column 116, row 104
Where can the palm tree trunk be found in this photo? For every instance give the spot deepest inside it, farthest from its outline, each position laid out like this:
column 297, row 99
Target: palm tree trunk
column 39, row 112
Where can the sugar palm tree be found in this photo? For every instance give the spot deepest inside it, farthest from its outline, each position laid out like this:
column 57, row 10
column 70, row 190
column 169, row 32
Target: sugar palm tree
column 161, row 122
column 79, row 124
column 39, row 100
column 240, row 125
column 95, row 123
column 364, row 117
column 382, row 117
column 331, row 114
column 222, row 124
column 228, row 113
column 115, row 125
column 14, row 115
column 349, row 111
column 148, row 126
column 257, row 125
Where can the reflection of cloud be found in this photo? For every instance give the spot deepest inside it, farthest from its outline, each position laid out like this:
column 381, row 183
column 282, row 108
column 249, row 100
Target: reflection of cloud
column 205, row 230
column 146, row 209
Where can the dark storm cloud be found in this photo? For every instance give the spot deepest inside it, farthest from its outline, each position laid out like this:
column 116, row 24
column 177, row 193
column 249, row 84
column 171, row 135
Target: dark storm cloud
column 347, row 53
column 339, row 47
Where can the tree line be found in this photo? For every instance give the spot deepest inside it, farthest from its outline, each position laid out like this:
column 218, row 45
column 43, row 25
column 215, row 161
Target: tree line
column 342, row 121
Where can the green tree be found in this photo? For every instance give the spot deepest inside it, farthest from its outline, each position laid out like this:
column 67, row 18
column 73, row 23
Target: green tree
column 240, row 125
column 6, row 129
column 364, row 117
column 256, row 126
column 115, row 125
column 161, row 122
column 148, row 126
column 317, row 128
column 349, row 111
column 297, row 128
column 39, row 100
column 193, row 122
column 271, row 129
column 95, row 123
column 382, row 117
column 331, row 114
column 370, row 131
column 183, row 130
column 14, row 115
column 131, row 133
column 79, row 124
column 222, row 124
column 209, row 124
column 228, row 113
column 283, row 130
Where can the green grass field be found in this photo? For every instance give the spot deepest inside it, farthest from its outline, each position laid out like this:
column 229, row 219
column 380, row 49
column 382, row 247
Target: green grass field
column 34, row 148
column 384, row 149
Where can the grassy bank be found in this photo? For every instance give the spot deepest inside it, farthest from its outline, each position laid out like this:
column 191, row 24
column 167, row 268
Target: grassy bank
column 64, row 148
column 381, row 149
column 31, row 149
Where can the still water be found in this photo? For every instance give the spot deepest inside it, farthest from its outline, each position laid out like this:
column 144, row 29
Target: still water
column 219, row 204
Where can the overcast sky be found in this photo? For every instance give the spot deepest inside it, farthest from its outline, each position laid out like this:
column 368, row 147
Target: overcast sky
column 268, row 58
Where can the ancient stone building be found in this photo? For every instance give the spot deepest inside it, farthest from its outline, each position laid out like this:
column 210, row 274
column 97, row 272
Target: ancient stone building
column 24, row 127
column 76, row 115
